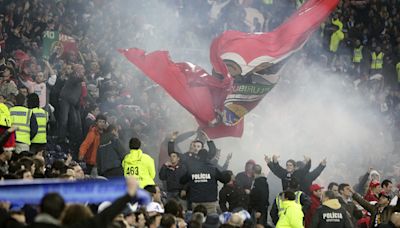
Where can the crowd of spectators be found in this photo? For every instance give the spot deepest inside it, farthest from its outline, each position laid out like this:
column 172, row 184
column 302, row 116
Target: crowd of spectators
column 97, row 107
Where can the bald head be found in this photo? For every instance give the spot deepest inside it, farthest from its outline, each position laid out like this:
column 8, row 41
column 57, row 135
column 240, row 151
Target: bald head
column 395, row 219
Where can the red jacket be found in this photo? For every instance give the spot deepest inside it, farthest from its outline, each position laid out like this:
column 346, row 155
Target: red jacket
column 315, row 204
column 89, row 147
column 371, row 197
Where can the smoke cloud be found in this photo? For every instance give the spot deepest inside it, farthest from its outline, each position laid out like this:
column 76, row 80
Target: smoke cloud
column 310, row 112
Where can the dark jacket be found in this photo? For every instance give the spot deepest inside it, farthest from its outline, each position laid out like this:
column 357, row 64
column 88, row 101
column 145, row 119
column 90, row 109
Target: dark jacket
column 315, row 204
column 72, row 90
column 244, row 181
column 6, row 221
column 289, row 179
column 310, row 177
column 99, row 220
column 172, row 176
column 374, row 209
column 202, row 178
column 354, row 213
column 110, row 153
column 235, row 196
column 259, row 195
column 331, row 215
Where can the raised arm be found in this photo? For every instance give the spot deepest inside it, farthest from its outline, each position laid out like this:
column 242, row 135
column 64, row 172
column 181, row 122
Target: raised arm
column 275, row 167
column 365, row 204
column 317, row 171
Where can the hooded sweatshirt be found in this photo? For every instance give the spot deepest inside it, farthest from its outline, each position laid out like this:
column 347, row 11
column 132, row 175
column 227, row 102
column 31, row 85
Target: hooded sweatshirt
column 331, row 215
column 141, row 166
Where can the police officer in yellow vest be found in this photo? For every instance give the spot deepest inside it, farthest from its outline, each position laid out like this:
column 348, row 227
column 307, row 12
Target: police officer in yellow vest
column 139, row 164
column 376, row 61
column 25, row 120
column 301, row 199
column 39, row 141
column 358, row 57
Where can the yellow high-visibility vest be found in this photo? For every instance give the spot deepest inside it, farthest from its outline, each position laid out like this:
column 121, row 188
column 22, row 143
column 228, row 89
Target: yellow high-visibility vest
column 279, row 202
column 141, row 166
column 21, row 118
column 42, row 119
column 5, row 119
column 398, row 71
column 268, row 2
column 357, row 54
column 377, row 61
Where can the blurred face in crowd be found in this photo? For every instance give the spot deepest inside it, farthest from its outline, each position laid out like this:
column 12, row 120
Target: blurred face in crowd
column 141, row 221
column 388, row 188
column 27, row 176
column 79, row 172
column 377, row 189
column 375, row 176
column 101, row 124
column 249, row 168
column 181, row 223
column 346, row 192
column 383, row 201
column 318, row 193
column 23, row 91
column 289, row 167
column 96, row 111
column 79, row 70
column 6, row 74
column 39, row 77
column 195, row 147
column 68, row 69
column 174, row 158
column 335, row 189
column 130, row 219
column 157, row 195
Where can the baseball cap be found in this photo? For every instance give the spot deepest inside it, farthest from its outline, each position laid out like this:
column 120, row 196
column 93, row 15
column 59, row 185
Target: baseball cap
column 315, row 187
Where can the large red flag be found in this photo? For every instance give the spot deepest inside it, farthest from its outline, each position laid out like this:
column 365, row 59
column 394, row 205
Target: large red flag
column 245, row 68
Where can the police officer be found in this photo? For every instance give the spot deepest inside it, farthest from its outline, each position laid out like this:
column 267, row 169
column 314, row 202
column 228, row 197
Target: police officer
column 139, row 164
column 25, row 120
column 300, row 198
column 39, row 141
column 376, row 61
column 358, row 57
column 331, row 214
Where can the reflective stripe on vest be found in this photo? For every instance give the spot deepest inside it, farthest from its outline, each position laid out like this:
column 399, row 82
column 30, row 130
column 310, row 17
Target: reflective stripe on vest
column 41, row 118
column 377, row 61
column 279, row 201
column 357, row 54
column 21, row 117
